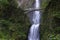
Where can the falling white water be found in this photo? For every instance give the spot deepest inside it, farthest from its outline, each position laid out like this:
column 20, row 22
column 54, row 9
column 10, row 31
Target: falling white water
column 35, row 20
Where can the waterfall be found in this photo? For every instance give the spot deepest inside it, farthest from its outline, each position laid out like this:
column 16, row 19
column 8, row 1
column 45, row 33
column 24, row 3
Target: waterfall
column 35, row 21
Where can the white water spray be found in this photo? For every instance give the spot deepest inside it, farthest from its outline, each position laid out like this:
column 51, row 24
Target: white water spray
column 35, row 20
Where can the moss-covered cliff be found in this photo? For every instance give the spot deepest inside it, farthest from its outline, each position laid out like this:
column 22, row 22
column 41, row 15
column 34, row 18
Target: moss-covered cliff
column 50, row 21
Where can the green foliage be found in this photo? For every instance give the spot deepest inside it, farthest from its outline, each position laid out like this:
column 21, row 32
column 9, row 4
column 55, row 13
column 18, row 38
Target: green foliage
column 54, row 37
column 3, row 2
column 14, row 23
column 51, row 21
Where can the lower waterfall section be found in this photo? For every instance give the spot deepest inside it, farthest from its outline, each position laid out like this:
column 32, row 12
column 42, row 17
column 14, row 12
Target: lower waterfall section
column 34, row 32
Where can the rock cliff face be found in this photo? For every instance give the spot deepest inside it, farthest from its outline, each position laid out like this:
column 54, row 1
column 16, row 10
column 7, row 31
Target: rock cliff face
column 29, row 3
column 25, row 3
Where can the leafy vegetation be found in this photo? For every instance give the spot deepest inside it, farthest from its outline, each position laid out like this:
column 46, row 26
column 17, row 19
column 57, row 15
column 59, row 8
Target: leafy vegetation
column 51, row 20
column 13, row 22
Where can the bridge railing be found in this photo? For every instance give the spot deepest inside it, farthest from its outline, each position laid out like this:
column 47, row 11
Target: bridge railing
column 32, row 9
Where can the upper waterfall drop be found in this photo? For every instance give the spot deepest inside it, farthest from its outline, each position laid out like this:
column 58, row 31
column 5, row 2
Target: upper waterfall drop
column 37, row 4
column 35, row 21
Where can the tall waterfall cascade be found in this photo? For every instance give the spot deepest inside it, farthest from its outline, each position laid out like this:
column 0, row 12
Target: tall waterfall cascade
column 35, row 21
